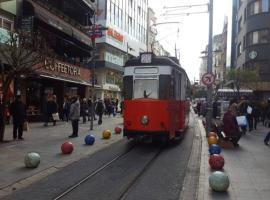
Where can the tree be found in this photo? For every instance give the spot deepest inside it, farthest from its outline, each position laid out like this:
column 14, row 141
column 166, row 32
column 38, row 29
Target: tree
column 243, row 78
column 23, row 54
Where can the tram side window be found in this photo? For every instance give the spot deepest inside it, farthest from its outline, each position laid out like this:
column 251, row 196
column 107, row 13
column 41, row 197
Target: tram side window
column 177, row 86
column 128, row 87
column 164, row 87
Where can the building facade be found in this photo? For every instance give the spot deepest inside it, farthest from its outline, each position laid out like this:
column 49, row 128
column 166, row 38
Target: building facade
column 126, row 21
column 253, row 41
column 62, row 24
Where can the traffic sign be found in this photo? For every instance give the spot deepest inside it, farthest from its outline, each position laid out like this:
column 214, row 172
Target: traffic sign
column 208, row 79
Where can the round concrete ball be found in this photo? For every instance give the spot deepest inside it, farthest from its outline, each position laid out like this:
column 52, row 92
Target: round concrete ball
column 67, row 148
column 216, row 161
column 106, row 134
column 32, row 160
column 89, row 139
column 219, row 181
column 117, row 130
column 212, row 140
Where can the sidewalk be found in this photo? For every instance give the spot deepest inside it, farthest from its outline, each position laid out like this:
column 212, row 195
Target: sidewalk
column 47, row 142
column 247, row 167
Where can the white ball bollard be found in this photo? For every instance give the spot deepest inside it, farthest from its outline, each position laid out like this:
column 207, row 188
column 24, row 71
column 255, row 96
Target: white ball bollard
column 32, row 160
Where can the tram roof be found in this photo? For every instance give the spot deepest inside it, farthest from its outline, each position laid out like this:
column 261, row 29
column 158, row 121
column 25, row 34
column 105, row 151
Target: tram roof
column 156, row 60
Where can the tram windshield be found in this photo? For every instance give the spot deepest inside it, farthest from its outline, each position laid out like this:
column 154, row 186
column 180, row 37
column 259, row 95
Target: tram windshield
column 145, row 88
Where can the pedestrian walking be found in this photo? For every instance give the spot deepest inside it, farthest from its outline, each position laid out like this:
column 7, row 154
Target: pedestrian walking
column 116, row 105
column 84, row 109
column 242, row 111
column 18, row 112
column 256, row 113
column 66, row 108
column 74, row 116
column 100, row 108
column 267, row 138
column 51, row 108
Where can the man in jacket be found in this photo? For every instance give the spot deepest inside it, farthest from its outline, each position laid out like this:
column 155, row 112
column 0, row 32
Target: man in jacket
column 18, row 112
column 74, row 116
column 100, row 108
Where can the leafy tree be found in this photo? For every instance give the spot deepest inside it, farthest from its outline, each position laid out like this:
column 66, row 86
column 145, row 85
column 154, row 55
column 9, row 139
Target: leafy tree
column 243, row 78
column 23, row 54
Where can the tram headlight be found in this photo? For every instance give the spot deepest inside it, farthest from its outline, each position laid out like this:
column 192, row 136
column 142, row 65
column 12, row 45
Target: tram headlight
column 144, row 120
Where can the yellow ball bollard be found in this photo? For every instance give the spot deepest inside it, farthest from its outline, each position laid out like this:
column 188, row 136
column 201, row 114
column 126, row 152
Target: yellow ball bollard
column 212, row 140
column 106, row 134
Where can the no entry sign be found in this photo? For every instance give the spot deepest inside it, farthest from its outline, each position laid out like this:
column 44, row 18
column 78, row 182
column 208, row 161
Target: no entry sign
column 208, row 79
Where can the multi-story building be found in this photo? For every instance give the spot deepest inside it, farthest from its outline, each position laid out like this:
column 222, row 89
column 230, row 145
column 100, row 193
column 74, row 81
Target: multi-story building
column 126, row 21
column 62, row 23
column 253, row 41
column 7, row 19
column 219, row 55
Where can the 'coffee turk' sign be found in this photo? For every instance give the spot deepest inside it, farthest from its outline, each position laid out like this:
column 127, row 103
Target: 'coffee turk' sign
column 63, row 68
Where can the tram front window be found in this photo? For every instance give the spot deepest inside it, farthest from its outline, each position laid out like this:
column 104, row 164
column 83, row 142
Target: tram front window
column 145, row 88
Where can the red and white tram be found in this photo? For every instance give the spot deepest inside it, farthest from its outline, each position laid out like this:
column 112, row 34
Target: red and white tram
column 155, row 97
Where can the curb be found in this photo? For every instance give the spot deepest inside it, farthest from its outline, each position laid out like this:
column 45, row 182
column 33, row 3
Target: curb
column 193, row 169
column 203, row 176
column 42, row 174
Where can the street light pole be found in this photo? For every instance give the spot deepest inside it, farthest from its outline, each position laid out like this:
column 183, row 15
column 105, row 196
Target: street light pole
column 209, row 106
column 93, row 39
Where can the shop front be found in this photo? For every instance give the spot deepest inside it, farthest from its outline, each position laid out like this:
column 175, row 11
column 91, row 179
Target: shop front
column 61, row 79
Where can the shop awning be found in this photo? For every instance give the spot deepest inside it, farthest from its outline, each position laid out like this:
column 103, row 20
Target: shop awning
column 81, row 82
column 43, row 13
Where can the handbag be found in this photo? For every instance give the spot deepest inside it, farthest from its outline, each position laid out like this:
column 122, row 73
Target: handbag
column 26, row 126
column 241, row 120
column 55, row 116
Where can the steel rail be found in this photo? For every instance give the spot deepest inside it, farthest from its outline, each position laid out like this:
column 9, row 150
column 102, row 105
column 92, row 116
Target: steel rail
column 92, row 174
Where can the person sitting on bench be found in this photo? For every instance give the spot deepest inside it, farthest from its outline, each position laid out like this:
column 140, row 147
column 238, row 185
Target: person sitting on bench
column 230, row 126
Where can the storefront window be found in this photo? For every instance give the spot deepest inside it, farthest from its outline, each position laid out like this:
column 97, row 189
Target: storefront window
column 33, row 98
column 110, row 78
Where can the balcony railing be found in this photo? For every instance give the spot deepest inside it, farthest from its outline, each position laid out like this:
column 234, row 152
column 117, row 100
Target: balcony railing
column 60, row 14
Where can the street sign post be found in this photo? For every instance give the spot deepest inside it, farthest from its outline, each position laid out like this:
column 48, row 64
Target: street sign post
column 208, row 79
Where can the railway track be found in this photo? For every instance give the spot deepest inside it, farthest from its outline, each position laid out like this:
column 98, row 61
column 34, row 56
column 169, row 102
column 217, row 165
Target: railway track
column 115, row 161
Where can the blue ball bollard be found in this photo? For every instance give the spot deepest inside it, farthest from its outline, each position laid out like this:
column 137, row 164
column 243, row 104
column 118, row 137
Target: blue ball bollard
column 214, row 149
column 32, row 160
column 219, row 181
column 89, row 139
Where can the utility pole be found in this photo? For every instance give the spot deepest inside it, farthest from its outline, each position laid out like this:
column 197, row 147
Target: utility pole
column 175, row 50
column 209, row 106
column 93, row 39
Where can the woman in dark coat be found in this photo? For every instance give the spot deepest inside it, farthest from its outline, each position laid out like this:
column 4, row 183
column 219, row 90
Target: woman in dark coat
column 230, row 125
column 52, row 107
column 18, row 112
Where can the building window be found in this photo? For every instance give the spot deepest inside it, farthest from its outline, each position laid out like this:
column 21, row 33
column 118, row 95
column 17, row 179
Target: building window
column 256, row 7
column 7, row 25
column 239, row 49
column 110, row 78
column 240, row 24
column 258, row 37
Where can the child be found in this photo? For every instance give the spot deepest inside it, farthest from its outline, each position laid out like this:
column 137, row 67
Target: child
column 267, row 138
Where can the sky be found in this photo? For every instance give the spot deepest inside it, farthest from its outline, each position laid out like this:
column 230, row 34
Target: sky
column 192, row 36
